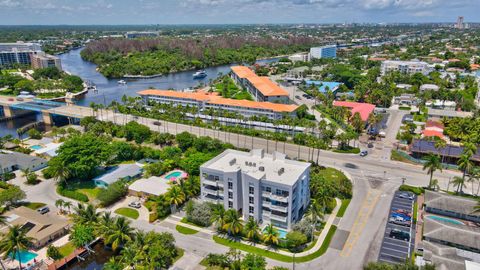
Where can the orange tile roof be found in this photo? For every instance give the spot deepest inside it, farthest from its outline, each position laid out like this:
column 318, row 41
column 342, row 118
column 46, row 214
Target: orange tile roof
column 474, row 66
column 214, row 98
column 364, row 109
column 263, row 84
column 433, row 133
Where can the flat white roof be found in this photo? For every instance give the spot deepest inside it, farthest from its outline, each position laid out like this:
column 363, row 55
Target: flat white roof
column 154, row 185
column 256, row 163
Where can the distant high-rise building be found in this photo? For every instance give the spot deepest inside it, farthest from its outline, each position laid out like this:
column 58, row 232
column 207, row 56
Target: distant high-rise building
column 323, row 52
column 459, row 24
column 24, row 53
column 43, row 60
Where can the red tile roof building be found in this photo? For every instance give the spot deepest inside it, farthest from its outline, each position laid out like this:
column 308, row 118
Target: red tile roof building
column 204, row 100
column 364, row 109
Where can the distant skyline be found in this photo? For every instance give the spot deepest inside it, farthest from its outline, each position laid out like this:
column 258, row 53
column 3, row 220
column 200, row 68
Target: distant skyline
column 51, row 12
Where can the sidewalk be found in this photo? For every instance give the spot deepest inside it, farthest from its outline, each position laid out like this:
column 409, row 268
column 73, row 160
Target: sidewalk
column 331, row 218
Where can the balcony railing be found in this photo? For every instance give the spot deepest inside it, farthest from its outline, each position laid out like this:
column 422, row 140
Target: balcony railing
column 279, row 208
column 279, row 218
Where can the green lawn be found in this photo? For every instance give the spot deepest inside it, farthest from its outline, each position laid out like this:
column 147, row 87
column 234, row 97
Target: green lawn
column 184, row 220
column 66, row 249
column 34, row 205
column 180, row 253
column 331, row 173
column 275, row 256
column 349, row 150
column 185, row 230
column 343, row 207
column 127, row 212
column 415, row 209
column 87, row 188
column 232, row 90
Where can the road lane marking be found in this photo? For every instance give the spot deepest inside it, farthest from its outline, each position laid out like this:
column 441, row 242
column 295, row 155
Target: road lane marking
column 361, row 220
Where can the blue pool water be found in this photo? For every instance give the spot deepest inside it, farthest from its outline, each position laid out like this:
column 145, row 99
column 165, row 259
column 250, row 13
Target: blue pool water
column 446, row 219
column 24, row 256
column 281, row 232
column 175, row 174
column 36, row 147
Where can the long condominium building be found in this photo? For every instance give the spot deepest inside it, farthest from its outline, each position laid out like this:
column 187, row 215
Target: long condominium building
column 323, row 52
column 204, row 100
column 26, row 54
column 43, row 60
column 269, row 188
column 262, row 88
column 405, row 67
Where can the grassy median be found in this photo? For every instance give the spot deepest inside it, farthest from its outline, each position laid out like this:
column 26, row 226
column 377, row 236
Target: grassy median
column 185, row 230
column 127, row 212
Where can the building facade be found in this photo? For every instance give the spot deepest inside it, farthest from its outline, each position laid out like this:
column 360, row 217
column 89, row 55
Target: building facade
column 262, row 88
column 42, row 60
column 205, row 101
column 267, row 187
column 405, row 67
column 323, row 52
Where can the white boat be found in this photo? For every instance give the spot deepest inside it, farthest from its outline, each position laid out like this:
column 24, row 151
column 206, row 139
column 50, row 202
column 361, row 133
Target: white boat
column 200, row 74
column 122, row 82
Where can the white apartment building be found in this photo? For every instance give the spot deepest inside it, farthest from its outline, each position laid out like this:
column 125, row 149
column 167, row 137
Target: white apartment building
column 204, row 101
column 329, row 51
column 406, row 67
column 267, row 187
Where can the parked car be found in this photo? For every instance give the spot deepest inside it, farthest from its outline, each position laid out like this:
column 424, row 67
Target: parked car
column 135, row 204
column 400, row 216
column 406, row 195
column 403, row 211
column 157, row 123
column 399, row 234
column 363, row 153
column 298, row 97
column 399, row 221
column 370, row 145
column 43, row 210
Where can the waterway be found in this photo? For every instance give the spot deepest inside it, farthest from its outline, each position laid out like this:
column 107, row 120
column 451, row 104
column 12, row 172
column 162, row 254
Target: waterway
column 109, row 89
column 93, row 261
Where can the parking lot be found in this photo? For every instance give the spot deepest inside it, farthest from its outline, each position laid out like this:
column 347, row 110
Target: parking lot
column 396, row 245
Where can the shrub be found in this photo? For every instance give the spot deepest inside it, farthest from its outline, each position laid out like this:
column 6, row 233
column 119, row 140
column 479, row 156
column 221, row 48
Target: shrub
column 53, row 253
column 163, row 206
column 305, row 226
column 199, row 214
column 415, row 190
column 71, row 194
column 32, row 179
column 295, row 239
column 112, row 193
column 7, row 176
column 152, row 217
column 220, row 260
column 34, row 134
column 48, row 172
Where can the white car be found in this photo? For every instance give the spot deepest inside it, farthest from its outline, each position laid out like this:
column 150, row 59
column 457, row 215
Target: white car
column 135, row 204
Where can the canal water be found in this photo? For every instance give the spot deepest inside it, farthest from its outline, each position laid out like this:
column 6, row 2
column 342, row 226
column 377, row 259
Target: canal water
column 109, row 89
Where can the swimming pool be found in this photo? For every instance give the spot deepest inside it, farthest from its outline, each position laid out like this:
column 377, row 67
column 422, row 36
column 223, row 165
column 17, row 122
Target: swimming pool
column 281, row 232
column 36, row 147
column 24, row 256
column 446, row 219
column 174, row 175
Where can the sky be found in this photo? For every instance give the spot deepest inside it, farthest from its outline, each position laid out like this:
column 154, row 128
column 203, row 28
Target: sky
column 48, row 12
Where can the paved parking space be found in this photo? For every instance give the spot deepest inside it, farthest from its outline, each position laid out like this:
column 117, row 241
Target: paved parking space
column 397, row 250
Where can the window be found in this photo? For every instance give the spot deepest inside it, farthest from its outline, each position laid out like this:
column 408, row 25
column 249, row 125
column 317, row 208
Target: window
column 250, row 190
column 251, row 209
column 250, row 200
column 230, row 195
column 268, row 189
column 230, row 185
column 230, row 204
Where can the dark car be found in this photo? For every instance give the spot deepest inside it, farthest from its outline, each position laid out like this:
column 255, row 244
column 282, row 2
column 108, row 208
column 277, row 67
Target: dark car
column 399, row 234
column 43, row 210
column 298, row 97
column 157, row 123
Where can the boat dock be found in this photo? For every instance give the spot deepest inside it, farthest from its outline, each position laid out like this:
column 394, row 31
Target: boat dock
column 62, row 263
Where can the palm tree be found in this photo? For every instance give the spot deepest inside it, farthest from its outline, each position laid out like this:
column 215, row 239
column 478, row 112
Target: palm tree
column 466, row 165
column 59, row 204
column 68, row 205
column 315, row 212
column 435, row 185
column 252, row 229
column 175, row 196
column 218, row 216
column 270, row 235
column 459, row 182
column 85, row 214
column 432, row 163
column 14, row 242
column 119, row 233
column 232, row 225
column 441, row 145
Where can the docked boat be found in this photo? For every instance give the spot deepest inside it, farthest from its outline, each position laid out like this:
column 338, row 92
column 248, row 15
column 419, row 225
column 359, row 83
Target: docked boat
column 200, row 74
column 122, row 82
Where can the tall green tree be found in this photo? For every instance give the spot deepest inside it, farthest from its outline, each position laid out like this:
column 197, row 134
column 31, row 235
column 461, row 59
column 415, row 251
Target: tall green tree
column 233, row 225
column 14, row 242
column 432, row 163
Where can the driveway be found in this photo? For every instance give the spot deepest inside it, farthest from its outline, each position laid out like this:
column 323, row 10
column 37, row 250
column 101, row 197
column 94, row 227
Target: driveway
column 143, row 211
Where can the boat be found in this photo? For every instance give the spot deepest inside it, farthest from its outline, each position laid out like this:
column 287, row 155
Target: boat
column 200, row 74
column 122, row 82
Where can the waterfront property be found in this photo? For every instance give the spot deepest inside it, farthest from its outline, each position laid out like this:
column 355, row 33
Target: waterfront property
column 268, row 187
column 26, row 54
column 204, row 101
column 364, row 109
column 324, row 86
column 405, row 67
column 329, row 51
column 450, row 233
column 119, row 172
column 12, row 161
column 44, row 229
column 261, row 88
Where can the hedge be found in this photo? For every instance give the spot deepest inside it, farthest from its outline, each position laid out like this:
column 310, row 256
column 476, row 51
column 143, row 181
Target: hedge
column 415, row 190
column 72, row 194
